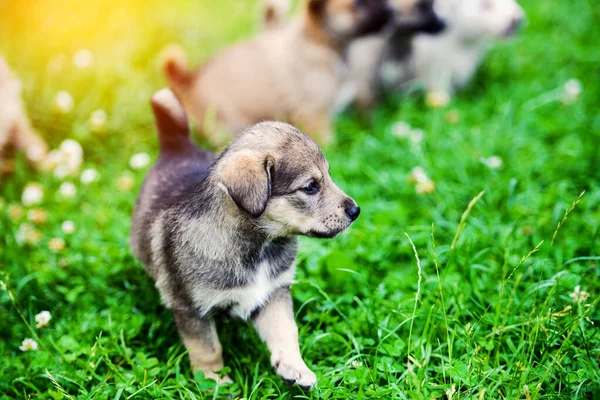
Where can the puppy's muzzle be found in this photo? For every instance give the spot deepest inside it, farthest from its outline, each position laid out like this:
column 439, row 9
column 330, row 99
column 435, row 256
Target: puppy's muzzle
column 434, row 26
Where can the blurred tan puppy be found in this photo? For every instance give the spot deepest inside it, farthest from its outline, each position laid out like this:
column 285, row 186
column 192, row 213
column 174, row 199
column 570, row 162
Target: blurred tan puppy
column 291, row 73
column 365, row 55
column 15, row 129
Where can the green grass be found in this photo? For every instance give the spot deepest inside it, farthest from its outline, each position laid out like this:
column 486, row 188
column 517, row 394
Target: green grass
column 490, row 317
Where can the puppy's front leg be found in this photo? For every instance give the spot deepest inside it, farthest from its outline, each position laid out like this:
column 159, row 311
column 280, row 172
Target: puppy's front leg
column 202, row 342
column 275, row 324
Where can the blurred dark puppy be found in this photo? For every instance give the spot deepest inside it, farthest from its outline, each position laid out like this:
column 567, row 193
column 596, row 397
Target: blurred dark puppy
column 382, row 61
column 15, row 129
column 218, row 233
column 291, row 73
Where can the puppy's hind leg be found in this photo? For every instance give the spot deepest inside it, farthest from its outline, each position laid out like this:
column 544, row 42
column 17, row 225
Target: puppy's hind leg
column 202, row 342
column 28, row 140
column 275, row 324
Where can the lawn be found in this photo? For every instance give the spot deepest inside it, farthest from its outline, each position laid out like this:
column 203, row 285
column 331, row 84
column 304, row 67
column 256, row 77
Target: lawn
column 497, row 298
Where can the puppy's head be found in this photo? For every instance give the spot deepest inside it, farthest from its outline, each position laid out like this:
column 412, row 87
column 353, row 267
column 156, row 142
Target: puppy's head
column 493, row 19
column 418, row 16
column 344, row 20
column 278, row 176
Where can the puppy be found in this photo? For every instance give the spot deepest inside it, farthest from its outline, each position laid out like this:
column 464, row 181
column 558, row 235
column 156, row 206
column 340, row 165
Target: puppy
column 219, row 233
column 447, row 62
column 380, row 62
column 291, row 73
column 15, row 129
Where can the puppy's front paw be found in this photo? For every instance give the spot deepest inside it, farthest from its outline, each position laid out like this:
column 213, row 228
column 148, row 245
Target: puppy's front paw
column 295, row 372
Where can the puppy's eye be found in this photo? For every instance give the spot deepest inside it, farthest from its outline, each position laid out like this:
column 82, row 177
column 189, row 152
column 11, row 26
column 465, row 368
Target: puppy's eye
column 311, row 188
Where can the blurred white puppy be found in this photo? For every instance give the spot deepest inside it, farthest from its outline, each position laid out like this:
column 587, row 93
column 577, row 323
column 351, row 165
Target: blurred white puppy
column 15, row 129
column 447, row 62
column 440, row 62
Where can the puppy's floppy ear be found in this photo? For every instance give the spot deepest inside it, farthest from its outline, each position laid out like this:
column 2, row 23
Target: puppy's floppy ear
column 246, row 178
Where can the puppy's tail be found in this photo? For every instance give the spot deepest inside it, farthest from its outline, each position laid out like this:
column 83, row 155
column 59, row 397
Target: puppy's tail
column 175, row 69
column 171, row 121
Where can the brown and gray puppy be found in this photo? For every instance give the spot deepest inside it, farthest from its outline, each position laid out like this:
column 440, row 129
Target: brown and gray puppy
column 15, row 129
column 218, row 233
column 290, row 73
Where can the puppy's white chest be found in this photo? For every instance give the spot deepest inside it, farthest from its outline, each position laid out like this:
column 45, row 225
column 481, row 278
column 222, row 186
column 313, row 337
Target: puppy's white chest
column 245, row 299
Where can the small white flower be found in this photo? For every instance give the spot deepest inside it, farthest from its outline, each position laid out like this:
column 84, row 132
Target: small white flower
column 89, row 175
column 15, row 212
column 578, row 295
column 423, row 183
column 126, row 181
column 139, row 161
column 42, row 319
column 67, row 160
column 437, row 99
column 401, row 129
column 32, row 194
column 71, row 149
column 28, row 345
column 56, row 244
column 83, row 58
column 416, row 136
column 68, row 227
column 97, row 120
column 63, row 102
column 571, row 91
column 67, row 189
column 37, row 216
column 493, row 162
column 357, row 364
column 425, row 187
column 27, row 234
column 418, row 174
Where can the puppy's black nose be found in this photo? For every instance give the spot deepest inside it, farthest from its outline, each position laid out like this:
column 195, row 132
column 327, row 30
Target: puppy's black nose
column 514, row 26
column 353, row 211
